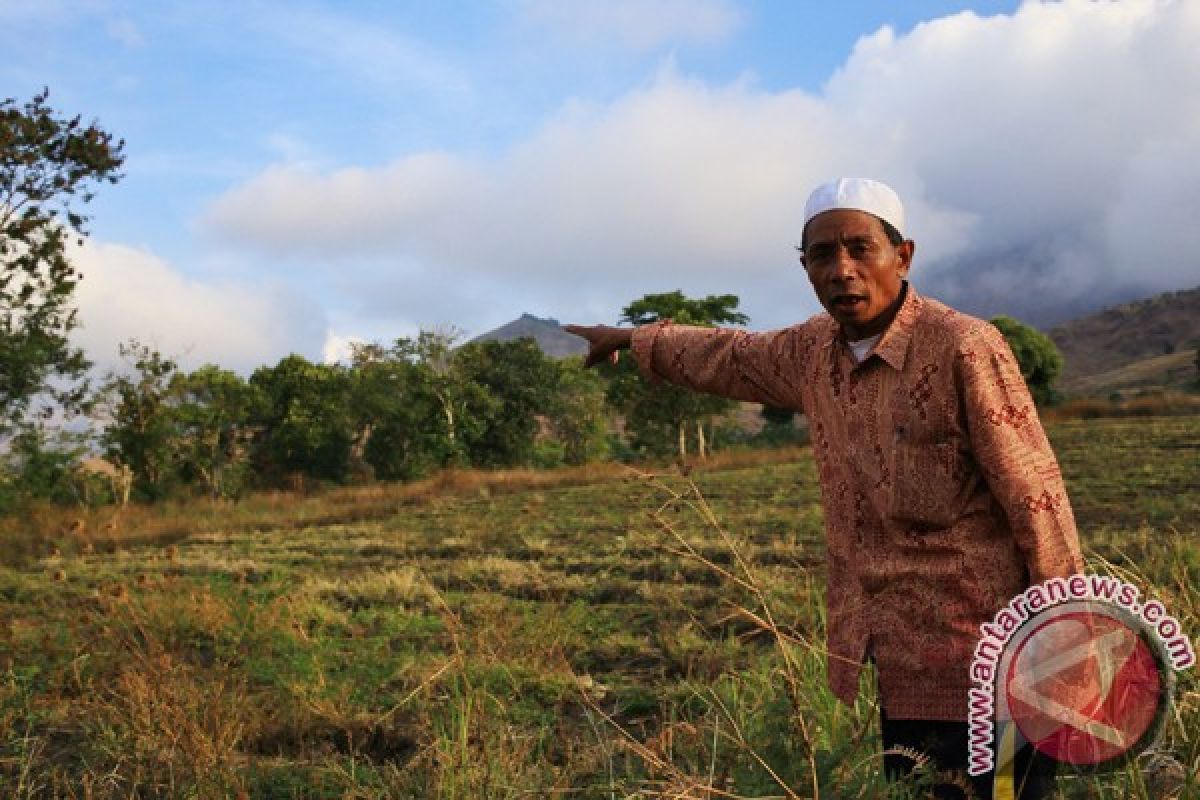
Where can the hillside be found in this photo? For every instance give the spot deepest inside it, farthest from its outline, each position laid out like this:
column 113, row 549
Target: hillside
column 1139, row 343
column 548, row 334
column 1174, row 371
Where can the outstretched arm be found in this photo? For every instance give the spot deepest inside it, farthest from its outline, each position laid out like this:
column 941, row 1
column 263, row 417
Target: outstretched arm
column 757, row 367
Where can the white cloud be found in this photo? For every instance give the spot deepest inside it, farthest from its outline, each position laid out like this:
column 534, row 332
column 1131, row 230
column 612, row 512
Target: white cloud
column 1044, row 158
column 635, row 24
column 131, row 293
column 339, row 348
column 316, row 213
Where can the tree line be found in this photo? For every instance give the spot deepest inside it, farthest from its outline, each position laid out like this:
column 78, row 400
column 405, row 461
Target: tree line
column 396, row 412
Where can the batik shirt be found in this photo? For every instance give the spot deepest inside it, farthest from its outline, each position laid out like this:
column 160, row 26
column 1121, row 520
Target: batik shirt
column 942, row 497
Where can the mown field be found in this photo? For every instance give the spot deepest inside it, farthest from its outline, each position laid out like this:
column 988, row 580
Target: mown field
column 603, row 634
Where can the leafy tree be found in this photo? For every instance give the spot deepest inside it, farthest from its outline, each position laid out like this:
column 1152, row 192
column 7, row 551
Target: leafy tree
column 463, row 402
column 307, row 419
column 518, row 384
column 578, row 414
column 39, row 465
column 1040, row 361
column 659, row 418
column 423, row 404
column 712, row 310
column 213, row 411
column 401, row 405
column 141, row 432
column 49, row 166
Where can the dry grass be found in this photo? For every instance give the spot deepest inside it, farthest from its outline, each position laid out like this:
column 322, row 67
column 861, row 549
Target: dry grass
column 649, row 634
column 1155, row 404
column 1173, row 369
column 45, row 528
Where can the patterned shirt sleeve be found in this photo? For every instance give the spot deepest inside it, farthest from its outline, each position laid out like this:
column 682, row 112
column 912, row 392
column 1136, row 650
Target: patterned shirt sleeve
column 1015, row 457
column 755, row 367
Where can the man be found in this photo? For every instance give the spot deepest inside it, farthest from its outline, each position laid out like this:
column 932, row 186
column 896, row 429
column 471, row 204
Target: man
column 942, row 497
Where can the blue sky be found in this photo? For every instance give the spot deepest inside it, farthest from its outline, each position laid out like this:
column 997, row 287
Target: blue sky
column 300, row 174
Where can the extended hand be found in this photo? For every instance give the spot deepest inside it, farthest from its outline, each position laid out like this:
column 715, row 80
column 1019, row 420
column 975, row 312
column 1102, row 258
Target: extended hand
column 604, row 341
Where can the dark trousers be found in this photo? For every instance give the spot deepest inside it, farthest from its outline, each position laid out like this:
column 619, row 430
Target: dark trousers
column 945, row 743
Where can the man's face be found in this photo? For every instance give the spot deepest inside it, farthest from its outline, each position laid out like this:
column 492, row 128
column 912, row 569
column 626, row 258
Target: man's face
column 856, row 272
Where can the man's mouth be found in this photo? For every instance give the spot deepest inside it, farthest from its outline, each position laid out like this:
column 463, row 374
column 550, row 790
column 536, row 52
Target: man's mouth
column 848, row 302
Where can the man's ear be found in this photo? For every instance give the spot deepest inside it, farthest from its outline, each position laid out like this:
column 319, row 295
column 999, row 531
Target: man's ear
column 904, row 252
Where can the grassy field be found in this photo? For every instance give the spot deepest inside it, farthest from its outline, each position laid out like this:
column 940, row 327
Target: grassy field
column 600, row 633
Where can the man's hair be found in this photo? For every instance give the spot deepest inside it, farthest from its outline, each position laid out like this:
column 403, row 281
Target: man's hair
column 894, row 237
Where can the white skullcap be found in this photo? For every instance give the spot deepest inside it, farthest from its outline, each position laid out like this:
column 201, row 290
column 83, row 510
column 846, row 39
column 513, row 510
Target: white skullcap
column 859, row 194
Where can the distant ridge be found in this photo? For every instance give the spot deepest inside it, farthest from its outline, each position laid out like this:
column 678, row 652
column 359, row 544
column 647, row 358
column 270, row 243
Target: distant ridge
column 1156, row 334
column 549, row 335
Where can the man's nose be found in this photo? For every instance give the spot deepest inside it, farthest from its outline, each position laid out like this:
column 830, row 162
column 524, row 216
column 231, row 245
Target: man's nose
column 843, row 265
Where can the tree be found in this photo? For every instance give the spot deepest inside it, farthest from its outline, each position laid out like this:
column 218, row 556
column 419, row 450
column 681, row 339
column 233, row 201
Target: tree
column 718, row 309
column 1040, row 361
column 213, row 411
column 39, row 464
column 141, row 432
column 578, row 415
column 658, row 418
column 307, row 419
column 49, row 166
column 434, row 351
column 404, row 411
column 518, row 384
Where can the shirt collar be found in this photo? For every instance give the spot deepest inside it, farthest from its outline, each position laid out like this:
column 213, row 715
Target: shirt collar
column 893, row 345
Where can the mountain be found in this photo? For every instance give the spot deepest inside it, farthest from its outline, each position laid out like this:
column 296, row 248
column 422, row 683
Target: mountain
column 1147, row 342
column 1028, row 281
column 548, row 334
